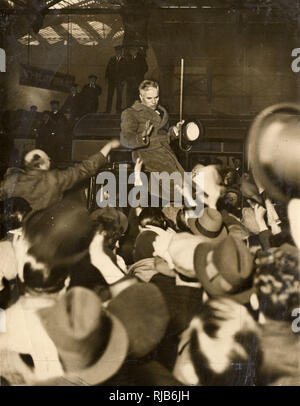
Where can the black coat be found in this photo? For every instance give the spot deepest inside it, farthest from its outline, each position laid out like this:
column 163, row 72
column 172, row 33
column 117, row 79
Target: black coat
column 89, row 99
column 73, row 104
column 116, row 70
column 136, row 68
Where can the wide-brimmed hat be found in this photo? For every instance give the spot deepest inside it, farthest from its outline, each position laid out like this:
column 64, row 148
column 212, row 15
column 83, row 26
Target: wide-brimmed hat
column 233, row 261
column 60, row 234
column 93, row 76
column 142, row 309
column 110, row 213
column 273, row 148
column 92, row 343
column 209, row 226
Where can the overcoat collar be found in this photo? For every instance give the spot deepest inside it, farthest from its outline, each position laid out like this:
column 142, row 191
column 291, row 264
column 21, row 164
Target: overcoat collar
column 153, row 116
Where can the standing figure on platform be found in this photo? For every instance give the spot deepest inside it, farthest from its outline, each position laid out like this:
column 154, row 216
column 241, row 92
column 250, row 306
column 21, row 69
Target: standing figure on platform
column 89, row 96
column 136, row 69
column 145, row 129
column 46, row 132
column 55, row 113
column 72, row 103
column 115, row 75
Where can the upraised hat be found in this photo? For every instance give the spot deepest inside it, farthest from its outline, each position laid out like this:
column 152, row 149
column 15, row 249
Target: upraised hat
column 92, row 76
column 60, row 234
column 209, row 226
column 193, row 129
column 91, row 343
column 273, row 148
column 233, row 261
column 110, row 213
column 144, row 314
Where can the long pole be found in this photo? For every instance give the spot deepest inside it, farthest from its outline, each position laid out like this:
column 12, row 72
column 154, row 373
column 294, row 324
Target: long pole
column 181, row 89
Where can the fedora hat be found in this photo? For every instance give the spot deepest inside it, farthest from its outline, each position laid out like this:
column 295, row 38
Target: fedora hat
column 92, row 343
column 60, row 234
column 273, row 148
column 209, row 226
column 233, row 261
column 144, row 314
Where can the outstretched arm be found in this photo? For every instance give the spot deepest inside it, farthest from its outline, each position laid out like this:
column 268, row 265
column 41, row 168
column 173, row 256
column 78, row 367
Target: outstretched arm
column 67, row 178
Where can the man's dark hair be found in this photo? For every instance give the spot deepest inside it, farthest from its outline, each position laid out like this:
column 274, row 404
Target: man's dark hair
column 111, row 230
column 12, row 212
column 153, row 216
column 180, row 221
column 46, row 279
column 277, row 283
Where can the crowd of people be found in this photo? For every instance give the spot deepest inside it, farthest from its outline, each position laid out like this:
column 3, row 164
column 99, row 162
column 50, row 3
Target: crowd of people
column 147, row 295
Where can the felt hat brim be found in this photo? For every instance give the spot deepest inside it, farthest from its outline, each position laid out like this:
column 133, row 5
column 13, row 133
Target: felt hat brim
column 110, row 361
column 200, row 264
column 192, row 226
column 270, row 184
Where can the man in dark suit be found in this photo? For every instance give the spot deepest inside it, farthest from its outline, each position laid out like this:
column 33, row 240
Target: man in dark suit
column 72, row 103
column 55, row 114
column 136, row 69
column 89, row 96
column 115, row 75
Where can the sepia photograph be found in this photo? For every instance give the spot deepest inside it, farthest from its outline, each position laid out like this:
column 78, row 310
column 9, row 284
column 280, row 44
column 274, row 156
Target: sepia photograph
column 149, row 196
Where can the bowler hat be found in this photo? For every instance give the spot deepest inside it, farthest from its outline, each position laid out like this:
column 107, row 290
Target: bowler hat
column 273, row 148
column 92, row 343
column 60, row 234
column 209, row 226
column 233, row 261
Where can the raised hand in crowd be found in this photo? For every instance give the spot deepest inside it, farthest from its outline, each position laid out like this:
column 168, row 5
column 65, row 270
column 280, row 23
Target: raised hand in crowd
column 137, row 172
column 259, row 212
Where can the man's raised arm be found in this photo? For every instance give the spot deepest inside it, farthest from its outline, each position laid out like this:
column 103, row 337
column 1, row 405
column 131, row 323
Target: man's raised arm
column 67, row 178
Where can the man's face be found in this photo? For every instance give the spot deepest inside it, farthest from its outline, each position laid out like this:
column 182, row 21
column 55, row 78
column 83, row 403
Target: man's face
column 232, row 199
column 73, row 90
column 54, row 107
column 133, row 52
column 150, row 97
column 92, row 81
column 237, row 163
